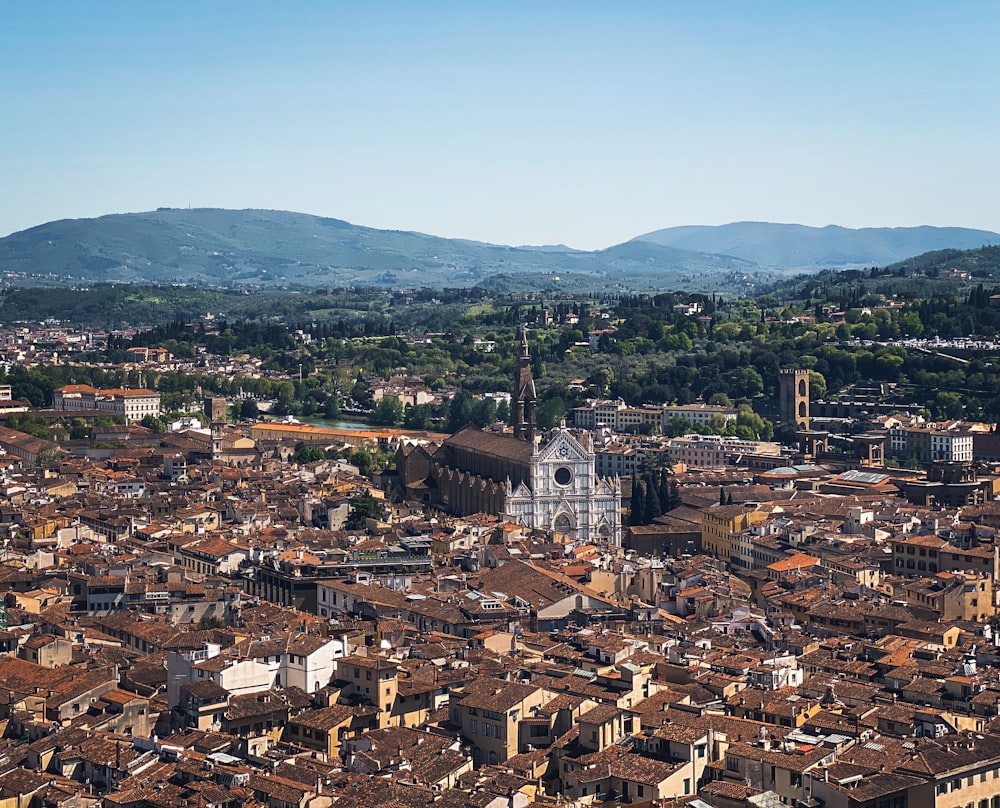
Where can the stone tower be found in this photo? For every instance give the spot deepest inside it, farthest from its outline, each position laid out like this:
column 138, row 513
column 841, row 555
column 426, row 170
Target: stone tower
column 793, row 396
column 216, row 409
column 523, row 400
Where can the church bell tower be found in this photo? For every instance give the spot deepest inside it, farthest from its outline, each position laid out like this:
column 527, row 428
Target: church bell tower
column 523, row 401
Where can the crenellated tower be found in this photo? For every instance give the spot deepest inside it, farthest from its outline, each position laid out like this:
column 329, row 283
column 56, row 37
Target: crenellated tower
column 793, row 396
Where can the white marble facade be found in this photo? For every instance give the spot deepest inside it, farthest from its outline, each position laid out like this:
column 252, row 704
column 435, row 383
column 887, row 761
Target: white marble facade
column 565, row 494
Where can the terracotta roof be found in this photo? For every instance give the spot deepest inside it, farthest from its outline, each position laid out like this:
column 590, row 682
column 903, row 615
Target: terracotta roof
column 490, row 443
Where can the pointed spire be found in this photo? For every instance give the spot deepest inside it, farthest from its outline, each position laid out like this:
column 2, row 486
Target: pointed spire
column 523, row 397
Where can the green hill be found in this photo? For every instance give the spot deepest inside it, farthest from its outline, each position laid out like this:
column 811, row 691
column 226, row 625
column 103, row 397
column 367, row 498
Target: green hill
column 259, row 248
column 935, row 273
column 983, row 263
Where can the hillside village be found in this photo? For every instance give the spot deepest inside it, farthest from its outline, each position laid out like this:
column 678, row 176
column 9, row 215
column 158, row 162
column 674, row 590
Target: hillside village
column 199, row 617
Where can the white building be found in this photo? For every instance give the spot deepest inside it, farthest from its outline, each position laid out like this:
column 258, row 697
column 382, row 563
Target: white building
column 929, row 442
column 619, row 417
column 698, row 413
column 711, row 451
column 306, row 661
column 564, row 493
column 133, row 405
column 951, row 446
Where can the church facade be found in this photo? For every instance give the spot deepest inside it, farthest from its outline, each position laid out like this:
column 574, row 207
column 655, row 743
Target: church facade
column 542, row 482
column 563, row 493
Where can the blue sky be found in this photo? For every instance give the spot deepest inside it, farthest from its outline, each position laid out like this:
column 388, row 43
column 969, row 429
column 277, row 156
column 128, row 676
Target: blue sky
column 517, row 122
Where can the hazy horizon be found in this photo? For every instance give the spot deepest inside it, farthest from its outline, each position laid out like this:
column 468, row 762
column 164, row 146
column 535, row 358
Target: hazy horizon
column 566, row 123
column 535, row 245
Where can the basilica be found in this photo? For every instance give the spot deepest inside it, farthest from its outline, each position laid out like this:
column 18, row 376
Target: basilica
column 544, row 482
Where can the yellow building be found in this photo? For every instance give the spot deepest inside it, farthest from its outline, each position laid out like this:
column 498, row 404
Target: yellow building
column 720, row 523
column 959, row 770
column 374, row 680
column 489, row 712
column 951, row 596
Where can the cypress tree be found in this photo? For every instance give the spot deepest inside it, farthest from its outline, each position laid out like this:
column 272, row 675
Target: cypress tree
column 652, row 504
column 675, row 496
column 664, row 492
column 638, row 504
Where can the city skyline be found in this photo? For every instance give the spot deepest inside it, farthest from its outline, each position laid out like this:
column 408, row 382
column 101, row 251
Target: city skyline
column 572, row 123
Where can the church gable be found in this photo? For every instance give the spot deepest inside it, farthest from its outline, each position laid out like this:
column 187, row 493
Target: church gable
column 563, row 447
column 606, row 489
column 564, row 507
column 413, row 464
column 521, row 492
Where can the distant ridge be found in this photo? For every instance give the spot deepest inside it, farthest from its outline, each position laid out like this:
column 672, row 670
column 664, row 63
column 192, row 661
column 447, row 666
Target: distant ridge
column 266, row 248
column 248, row 249
column 797, row 246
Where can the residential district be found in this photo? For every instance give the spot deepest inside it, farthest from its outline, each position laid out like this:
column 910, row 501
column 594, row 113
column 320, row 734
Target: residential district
column 196, row 618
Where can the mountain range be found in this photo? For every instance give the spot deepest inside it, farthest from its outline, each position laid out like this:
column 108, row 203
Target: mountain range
column 796, row 246
column 261, row 248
